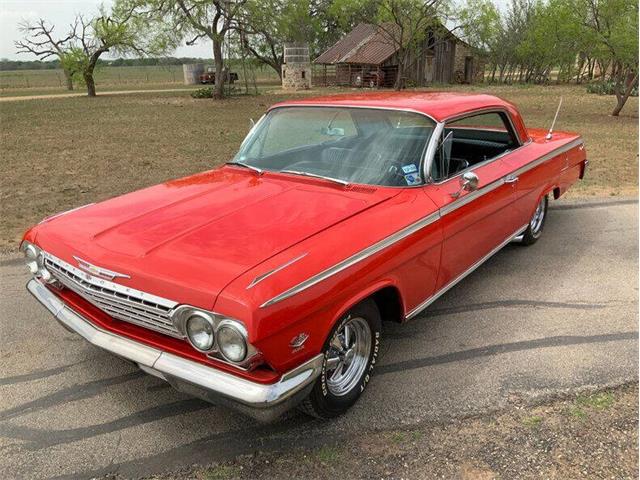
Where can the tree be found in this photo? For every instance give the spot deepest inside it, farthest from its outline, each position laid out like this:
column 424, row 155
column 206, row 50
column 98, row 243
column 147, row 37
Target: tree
column 39, row 41
column 193, row 20
column 118, row 32
column 611, row 26
column 481, row 25
column 266, row 25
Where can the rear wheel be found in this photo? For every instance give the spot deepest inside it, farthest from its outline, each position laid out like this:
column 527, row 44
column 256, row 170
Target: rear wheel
column 350, row 354
column 536, row 224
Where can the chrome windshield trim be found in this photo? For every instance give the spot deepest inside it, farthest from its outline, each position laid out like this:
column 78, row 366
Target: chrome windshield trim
column 464, row 274
column 355, row 258
column 266, row 275
column 313, row 175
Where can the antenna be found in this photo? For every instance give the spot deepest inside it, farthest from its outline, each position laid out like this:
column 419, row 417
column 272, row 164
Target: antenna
column 553, row 124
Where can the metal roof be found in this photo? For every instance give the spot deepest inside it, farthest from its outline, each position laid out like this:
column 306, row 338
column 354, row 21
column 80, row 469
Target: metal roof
column 368, row 44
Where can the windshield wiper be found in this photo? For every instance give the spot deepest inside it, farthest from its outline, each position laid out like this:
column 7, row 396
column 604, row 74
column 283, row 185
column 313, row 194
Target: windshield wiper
column 246, row 165
column 315, row 175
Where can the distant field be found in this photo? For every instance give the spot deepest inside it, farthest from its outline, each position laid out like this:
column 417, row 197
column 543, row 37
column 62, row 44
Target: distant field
column 24, row 82
column 61, row 153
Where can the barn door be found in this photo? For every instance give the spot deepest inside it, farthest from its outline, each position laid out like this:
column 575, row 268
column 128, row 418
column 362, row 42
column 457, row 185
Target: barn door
column 468, row 69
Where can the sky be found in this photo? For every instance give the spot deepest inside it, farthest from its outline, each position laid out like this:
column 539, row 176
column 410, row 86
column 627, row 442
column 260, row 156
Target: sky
column 61, row 12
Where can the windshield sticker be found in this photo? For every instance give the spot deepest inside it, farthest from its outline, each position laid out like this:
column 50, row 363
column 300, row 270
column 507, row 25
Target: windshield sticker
column 412, row 179
column 409, row 168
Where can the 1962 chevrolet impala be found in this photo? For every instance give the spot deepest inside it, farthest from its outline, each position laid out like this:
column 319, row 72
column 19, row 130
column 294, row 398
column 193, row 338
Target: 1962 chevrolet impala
column 263, row 284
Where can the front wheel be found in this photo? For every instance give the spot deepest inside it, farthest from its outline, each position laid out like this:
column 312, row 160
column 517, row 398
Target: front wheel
column 536, row 224
column 350, row 353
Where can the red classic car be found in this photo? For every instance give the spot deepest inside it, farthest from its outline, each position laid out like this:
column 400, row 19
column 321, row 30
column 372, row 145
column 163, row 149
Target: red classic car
column 263, row 284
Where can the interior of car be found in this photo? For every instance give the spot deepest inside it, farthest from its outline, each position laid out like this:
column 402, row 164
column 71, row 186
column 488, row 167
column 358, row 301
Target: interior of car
column 470, row 141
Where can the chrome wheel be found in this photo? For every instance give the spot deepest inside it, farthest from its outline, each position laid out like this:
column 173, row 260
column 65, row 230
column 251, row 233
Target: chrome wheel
column 348, row 356
column 538, row 218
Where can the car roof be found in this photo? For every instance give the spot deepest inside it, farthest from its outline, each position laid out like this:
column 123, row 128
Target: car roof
column 438, row 105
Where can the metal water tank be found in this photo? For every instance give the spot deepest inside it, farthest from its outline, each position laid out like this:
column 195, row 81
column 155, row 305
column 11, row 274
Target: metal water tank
column 192, row 73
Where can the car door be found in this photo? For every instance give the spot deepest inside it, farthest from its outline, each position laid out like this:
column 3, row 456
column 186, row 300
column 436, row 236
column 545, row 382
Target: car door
column 477, row 221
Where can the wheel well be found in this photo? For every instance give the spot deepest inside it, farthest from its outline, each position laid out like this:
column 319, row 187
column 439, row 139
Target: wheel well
column 389, row 304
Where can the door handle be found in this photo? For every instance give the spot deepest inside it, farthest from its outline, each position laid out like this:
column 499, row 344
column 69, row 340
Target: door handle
column 510, row 179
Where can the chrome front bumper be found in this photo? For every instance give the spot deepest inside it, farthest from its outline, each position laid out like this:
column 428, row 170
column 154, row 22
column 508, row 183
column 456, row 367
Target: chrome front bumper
column 264, row 402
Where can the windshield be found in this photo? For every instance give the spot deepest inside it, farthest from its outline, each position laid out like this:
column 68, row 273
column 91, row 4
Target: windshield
column 349, row 145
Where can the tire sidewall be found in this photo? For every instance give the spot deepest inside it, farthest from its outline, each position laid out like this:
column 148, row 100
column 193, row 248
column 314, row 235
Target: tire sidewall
column 333, row 404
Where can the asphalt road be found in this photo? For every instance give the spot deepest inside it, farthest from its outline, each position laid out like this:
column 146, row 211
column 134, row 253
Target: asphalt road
column 533, row 322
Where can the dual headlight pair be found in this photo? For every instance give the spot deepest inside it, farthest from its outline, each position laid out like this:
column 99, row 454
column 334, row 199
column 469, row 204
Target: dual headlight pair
column 34, row 260
column 207, row 332
column 214, row 335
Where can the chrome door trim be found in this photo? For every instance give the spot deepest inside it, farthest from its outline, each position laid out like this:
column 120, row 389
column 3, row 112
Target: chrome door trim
column 460, row 277
column 470, row 197
column 266, row 275
column 558, row 151
column 355, row 258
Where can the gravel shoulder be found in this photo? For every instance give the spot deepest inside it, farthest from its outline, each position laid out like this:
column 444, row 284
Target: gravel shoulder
column 589, row 435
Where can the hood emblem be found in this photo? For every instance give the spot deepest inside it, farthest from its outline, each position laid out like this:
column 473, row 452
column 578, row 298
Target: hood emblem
column 297, row 342
column 99, row 271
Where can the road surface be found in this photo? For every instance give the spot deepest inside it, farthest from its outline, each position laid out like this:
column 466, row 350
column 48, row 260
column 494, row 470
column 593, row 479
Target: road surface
column 533, row 322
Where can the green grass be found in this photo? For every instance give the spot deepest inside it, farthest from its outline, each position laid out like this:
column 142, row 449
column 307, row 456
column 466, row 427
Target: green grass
column 532, row 422
column 220, row 472
column 328, row 454
column 598, row 401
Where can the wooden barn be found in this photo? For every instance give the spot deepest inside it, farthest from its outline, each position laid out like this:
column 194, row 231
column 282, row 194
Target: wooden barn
column 368, row 57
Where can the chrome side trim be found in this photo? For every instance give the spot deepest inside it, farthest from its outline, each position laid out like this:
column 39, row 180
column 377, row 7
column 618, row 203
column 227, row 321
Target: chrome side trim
column 170, row 367
column 266, row 275
column 470, row 197
column 460, row 277
column 451, row 207
column 558, row 151
column 353, row 259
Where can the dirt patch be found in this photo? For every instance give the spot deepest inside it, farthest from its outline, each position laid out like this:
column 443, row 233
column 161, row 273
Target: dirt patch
column 586, row 436
column 61, row 153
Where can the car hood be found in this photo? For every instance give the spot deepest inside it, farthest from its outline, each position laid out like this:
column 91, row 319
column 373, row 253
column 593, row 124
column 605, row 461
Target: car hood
column 187, row 239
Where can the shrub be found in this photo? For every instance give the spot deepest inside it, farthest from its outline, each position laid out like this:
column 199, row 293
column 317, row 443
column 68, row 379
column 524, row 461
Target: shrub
column 206, row 92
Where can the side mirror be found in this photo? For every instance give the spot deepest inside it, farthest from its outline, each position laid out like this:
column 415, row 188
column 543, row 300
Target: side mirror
column 468, row 183
column 252, row 123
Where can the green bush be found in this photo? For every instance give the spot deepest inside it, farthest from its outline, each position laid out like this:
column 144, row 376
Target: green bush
column 206, row 92
column 607, row 88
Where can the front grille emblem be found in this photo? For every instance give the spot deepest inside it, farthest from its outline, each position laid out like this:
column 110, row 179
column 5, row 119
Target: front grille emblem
column 99, row 271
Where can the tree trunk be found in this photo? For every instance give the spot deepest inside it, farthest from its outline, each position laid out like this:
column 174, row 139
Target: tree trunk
column 91, row 84
column 623, row 91
column 68, row 79
column 219, row 63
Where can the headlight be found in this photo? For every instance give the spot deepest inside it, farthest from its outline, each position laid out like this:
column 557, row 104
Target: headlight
column 217, row 336
column 200, row 331
column 231, row 341
column 31, row 256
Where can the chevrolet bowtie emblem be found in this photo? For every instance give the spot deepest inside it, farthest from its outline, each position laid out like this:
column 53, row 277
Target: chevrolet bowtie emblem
column 99, row 271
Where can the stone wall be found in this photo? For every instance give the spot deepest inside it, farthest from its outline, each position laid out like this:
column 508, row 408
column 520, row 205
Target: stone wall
column 477, row 64
column 296, row 76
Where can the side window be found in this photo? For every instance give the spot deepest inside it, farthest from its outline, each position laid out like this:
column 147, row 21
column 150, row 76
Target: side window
column 314, row 129
column 472, row 140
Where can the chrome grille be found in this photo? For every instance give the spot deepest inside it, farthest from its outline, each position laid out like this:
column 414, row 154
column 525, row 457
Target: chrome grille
column 121, row 303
